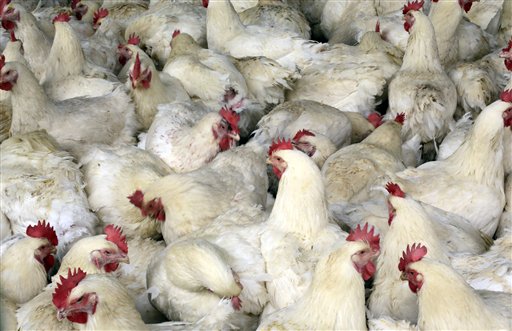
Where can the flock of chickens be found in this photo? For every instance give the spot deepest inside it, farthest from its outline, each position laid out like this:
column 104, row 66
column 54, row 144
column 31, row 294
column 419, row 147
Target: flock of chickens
column 184, row 165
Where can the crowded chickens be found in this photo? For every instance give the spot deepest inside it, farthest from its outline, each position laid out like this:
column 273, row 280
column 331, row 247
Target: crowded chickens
column 256, row 165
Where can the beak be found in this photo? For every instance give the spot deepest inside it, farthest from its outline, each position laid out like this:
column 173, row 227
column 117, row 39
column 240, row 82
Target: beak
column 403, row 276
column 269, row 161
column 234, row 136
column 124, row 258
column 53, row 250
column 61, row 315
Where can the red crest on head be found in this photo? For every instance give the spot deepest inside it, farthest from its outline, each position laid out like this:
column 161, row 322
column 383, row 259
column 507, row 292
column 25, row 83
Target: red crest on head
column 303, row 133
column 414, row 5
column 43, row 230
column 400, row 118
column 375, row 119
column 411, row 254
column 99, row 14
column 377, row 26
column 115, row 235
column 65, row 287
column 395, row 190
column 205, row 3
column 507, row 54
column 175, row 33
column 137, row 199
column 133, row 39
column 232, row 117
column 61, row 17
column 2, row 61
column 279, row 145
column 507, row 117
column 74, row 3
column 364, row 235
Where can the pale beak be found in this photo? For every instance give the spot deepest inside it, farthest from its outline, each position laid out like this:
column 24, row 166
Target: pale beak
column 234, row 136
column 403, row 276
column 53, row 250
column 61, row 315
column 269, row 161
column 124, row 259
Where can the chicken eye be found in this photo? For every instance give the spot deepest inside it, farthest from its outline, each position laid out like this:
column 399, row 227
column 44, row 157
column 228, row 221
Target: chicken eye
column 107, row 253
column 278, row 159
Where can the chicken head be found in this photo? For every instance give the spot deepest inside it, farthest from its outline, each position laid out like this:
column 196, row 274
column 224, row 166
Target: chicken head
column 226, row 130
column 408, row 12
column 108, row 258
column 362, row 259
column 73, row 304
column 8, row 75
column 412, row 254
column 278, row 163
column 45, row 249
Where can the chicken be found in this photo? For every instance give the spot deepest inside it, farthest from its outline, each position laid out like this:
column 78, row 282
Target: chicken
column 421, row 89
column 36, row 44
column 351, row 172
column 149, row 88
column 156, row 26
column 205, row 74
column 180, row 200
column 26, row 261
column 455, row 137
column 278, row 15
column 443, row 296
column 188, row 291
column 90, row 302
column 317, row 146
column 186, row 137
column 440, row 183
column 350, row 78
column 290, row 117
column 70, row 121
column 125, row 56
column 66, row 61
column 337, row 288
column 298, row 230
column 505, row 29
column 407, row 223
column 112, row 174
column 39, row 181
column 267, row 81
column 84, row 10
column 227, row 34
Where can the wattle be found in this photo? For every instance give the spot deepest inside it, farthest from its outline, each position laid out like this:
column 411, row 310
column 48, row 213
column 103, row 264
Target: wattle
column 6, row 86
column 78, row 317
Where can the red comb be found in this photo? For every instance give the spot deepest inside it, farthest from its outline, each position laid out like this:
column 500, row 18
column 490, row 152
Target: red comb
column 395, row 190
column 65, row 287
column 133, row 39
column 377, row 26
column 175, row 33
column 74, row 3
column 364, row 235
column 98, row 14
column 205, row 3
column 13, row 37
column 43, row 230
column 137, row 199
column 507, row 54
column 115, row 235
column 2, row 61
column 61, row 17
column 414, row 5
column 400, row 118
column 303, row 133
column 411, row 254
column 232, row 117
column 375, row 119
column 280, row 145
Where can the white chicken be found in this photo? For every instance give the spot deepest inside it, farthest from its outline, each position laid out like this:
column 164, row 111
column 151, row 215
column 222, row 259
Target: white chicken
column 278, row 15
column 421, row 89
column 186, row 136
column 39, row 181
column 351, row 172
column 337, row 287
column 156, row 26
column 474, row 170
column 70, row 121
column 299, row 229
column 149, row 88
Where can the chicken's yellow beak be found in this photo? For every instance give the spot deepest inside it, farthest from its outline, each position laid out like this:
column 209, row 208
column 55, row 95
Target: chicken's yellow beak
column 234, row 136
column 269, row 161
column 403, row 276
